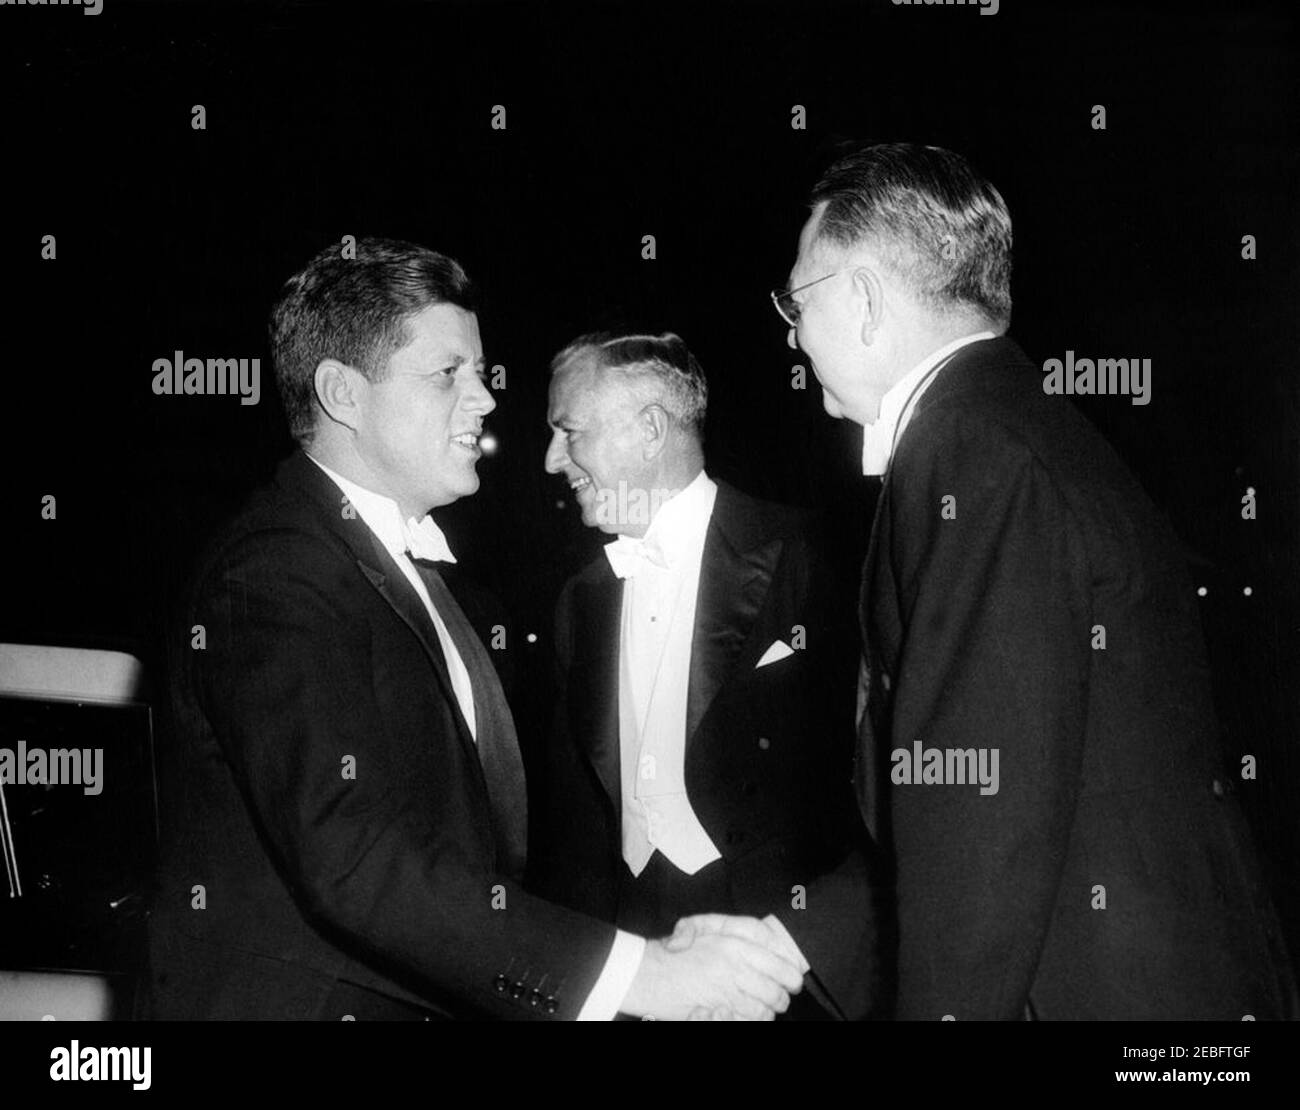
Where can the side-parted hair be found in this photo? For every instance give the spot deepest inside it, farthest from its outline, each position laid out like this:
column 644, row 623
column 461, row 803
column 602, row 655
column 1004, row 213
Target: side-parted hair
column 354, row 310
column 941, row 227
column 661, row 366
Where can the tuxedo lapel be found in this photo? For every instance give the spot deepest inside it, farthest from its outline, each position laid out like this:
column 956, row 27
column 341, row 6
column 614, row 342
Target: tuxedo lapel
column 594, row 705
column 380, row 570
column 497, row 741
column 735, row 575
column 395, row 589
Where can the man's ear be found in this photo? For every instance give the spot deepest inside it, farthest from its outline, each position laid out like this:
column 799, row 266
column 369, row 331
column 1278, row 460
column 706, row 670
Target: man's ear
column 655, row 423
column 870, row 293
column 338, row 389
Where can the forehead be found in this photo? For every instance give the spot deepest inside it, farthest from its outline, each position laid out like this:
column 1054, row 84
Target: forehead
column 574, row 392
column 812, row 252
column 440, row 333
column 588, row 394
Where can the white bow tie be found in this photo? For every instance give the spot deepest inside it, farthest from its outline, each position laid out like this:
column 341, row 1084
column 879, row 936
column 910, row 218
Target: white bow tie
column 425, row 540
column 629, row 556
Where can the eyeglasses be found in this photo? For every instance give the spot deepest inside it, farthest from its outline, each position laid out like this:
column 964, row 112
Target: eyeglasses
column 790, row 309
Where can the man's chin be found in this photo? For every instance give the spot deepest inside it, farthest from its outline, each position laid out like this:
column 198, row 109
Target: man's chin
column 464, row 488
column 592, row 518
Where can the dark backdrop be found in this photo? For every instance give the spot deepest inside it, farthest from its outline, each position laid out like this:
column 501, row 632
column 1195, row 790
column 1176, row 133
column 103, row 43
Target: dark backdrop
column 628, row 120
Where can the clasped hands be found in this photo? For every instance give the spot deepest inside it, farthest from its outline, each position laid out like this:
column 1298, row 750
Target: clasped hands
column 717, row 967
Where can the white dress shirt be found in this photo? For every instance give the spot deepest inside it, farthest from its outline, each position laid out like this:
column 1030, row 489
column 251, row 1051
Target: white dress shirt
column 425, row 540
column 658, row 626
column 878, row 439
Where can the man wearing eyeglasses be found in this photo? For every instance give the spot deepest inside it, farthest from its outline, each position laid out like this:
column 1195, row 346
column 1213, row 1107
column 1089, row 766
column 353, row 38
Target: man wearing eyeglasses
column 1037, row 747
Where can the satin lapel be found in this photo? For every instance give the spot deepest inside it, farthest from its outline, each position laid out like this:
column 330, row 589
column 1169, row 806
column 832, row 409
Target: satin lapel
column 301, row 477
column 392, row 585
column 594, row 679
column 733, row 586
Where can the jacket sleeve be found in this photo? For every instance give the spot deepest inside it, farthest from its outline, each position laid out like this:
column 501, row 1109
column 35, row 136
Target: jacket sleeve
column 284, row 680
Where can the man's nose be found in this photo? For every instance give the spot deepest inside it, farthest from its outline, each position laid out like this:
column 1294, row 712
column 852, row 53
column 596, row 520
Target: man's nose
column 477, row 397
column 556, row 456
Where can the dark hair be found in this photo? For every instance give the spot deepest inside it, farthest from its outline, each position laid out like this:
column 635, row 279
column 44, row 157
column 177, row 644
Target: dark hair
column 939, row 225
column 664, row 359
column 354, row 309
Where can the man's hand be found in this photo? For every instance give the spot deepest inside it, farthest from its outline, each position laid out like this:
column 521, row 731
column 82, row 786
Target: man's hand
column 703, row 1013
column 712, row 972
column 768, row 933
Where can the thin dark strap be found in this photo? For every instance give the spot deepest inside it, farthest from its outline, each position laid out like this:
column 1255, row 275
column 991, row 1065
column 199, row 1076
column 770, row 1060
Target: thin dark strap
column 902, row 413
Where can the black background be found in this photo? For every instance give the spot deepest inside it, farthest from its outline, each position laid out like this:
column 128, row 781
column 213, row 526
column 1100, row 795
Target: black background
column 626, row 120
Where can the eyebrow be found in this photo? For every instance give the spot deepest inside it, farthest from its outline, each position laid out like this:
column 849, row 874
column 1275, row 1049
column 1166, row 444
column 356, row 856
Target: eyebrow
column 442, row 358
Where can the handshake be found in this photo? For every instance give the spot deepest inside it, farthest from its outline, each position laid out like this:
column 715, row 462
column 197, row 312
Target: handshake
column 718, row 968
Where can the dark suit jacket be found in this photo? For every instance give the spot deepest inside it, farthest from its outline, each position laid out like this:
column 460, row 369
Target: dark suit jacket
column 983, row 631
column 325, row 894
column 768, row 750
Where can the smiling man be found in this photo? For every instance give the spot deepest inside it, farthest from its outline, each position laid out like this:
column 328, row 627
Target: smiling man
column 703, row 741
column 344, row 795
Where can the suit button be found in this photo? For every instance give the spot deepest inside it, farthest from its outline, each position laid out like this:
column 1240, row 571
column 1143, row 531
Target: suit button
column 535, row 998
column 748, row 789
column 764, row 743
column 551, row 1004
column 501, row 982
column 517, row 990
column 735, row 836
column 1217, row 788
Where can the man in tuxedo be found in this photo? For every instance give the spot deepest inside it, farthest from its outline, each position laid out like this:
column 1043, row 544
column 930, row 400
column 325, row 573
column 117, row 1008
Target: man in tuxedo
column 702, row 752
column 1037, row 747
column 346, row 799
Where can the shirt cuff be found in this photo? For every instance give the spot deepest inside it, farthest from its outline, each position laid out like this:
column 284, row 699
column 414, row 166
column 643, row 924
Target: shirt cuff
column 791, row 951
column 621, row 966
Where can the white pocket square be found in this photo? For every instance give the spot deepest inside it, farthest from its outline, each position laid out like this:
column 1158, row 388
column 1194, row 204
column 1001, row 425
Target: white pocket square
column 775, row 653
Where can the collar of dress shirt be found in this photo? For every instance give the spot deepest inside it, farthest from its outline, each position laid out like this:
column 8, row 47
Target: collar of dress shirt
column 422, row 538
column 678, row 528
column 878, row 438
